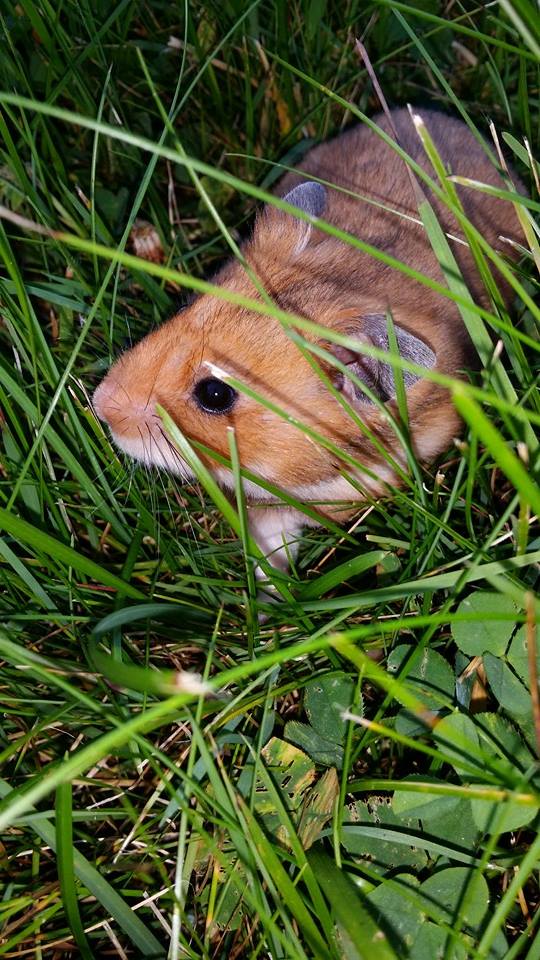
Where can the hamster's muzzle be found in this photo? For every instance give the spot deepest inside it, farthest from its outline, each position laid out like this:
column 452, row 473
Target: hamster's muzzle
column 136, row 428
column 104, row 401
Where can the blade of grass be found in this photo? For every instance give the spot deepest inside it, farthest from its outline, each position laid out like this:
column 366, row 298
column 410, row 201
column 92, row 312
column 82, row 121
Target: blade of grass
column 344, row 571
column 509, row 463
column 66, row 873
column 367, row 937
column 244, row 534
column 38, row 540
column 100, row 888
column 277, row 877
column 526, row 866
column 448, row 23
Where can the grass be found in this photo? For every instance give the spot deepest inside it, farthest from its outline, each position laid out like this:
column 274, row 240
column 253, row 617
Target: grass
column 299, row 797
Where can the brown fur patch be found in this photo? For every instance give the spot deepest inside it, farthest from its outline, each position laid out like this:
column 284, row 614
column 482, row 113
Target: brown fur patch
column 334, row 285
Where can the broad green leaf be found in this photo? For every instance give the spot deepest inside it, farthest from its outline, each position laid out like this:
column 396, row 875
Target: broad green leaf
column 423, row 805
column 447, row 818
column 502, row 816
column 323, row 751
column 430, row 678
column 229, row 914
column 293, row 773
column 497, row 734
column 507, row 688
column 407, row 909
column 361, row 836
column 407, row 724
column 325, row 700
column 396, row 907
column 459, row 737
column 452, row 825
column 518, row 655
column 433, row 942
column 484, row 634
column 456, row 889
column 291, row 767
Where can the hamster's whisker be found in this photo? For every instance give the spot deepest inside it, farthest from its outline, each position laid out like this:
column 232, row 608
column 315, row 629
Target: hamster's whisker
column 179, row 459
column 188, row 522
column 169, row 443
column 172, row 447
column 92, row 510
column 151, row 391
column 130, row 401
column 145, row 451
column 153, row 439
column 109, row 467
column 114, row 403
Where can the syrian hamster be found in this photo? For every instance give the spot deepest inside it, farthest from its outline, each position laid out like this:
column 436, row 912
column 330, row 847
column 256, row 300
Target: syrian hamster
column 319, row 277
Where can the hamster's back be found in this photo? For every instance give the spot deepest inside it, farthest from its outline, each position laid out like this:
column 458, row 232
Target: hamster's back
column 363, row 163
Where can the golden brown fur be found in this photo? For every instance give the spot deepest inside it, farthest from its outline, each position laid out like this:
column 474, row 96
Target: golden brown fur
column 336, row 286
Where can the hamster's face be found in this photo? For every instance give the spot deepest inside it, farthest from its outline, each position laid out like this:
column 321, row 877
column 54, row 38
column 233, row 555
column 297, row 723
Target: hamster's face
column 179, row 366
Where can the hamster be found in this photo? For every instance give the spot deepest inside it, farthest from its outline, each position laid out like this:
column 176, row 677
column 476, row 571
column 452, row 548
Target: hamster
column 319, row 277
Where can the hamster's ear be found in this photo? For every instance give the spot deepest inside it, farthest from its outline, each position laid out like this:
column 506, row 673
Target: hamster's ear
column 310, row 197
column 377, row 375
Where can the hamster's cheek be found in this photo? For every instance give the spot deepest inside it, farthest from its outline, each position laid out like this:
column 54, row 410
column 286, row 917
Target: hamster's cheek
column 154, row 450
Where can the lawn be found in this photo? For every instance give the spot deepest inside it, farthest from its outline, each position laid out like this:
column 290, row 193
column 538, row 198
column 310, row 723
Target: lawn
column 356, row 775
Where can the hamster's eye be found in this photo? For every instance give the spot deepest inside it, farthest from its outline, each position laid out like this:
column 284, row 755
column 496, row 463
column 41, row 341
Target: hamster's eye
column 214, row 396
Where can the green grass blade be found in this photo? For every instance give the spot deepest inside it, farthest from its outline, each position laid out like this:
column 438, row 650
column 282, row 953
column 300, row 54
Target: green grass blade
column 43, row 542
column 110, row 900
column 509, row 463
column 367, row 938
column 66, row 874
column 344, row 571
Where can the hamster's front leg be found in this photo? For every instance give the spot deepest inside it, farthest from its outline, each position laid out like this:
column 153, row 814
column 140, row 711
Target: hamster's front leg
column 276, row 530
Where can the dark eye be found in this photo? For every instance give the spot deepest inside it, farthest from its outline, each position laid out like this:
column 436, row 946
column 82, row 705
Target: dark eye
column 214, row 396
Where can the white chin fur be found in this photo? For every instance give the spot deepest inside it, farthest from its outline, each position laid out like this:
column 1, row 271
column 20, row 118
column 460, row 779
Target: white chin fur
column 225, row 478
column 154, row 453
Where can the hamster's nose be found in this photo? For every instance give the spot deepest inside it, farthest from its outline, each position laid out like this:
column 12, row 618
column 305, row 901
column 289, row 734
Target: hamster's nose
column 105, row 400
column 119, row 406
